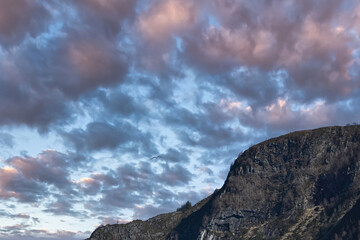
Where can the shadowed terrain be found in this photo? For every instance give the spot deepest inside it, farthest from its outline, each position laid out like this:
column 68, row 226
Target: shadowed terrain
column 303, row 185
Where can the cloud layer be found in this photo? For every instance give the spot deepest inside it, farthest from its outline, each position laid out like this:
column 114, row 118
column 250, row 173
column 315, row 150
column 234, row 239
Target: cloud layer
column 150, row 101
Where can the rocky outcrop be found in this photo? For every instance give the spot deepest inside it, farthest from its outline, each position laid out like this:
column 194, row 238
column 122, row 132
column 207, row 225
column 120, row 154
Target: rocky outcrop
column 303, row 185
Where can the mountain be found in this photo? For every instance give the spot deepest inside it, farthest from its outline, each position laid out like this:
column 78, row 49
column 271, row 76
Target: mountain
column 303, row 185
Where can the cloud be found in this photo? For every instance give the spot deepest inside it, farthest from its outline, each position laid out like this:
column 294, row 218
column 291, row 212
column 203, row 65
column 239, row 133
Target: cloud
column 164, row 18
column 49, row 167
column 174, row 155
column 105, row 136
column 14, row 185
column 30, row 179
column 174, row 176
column 193, row 82
column 111, row 220
column 157, row 35
column 20, row 106
column 131, row 186
column 89, row 186
column 25, row 232
column 61, row 207
column 6, row 140
column 315, row 53
column 285, row 115
column 147, row 211
column 206, row 129
column 10, row 215
column 19, row 18
column 106, row 16
column 56, row 72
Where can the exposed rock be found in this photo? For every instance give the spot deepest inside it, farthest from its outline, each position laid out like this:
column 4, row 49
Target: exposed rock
column 303, row 185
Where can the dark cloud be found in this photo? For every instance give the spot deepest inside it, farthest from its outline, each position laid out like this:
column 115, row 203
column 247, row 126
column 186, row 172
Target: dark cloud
column 41, row 81
column 102, row 135
column 15, row 185
column 20, row 106
column 205, row 129
column 120, row 198
column 19, row 18
column 174, row 155
column 61, row 207
column 11, row 215
column 115, row 103
column 89, row 186
column 49, row 167
column 190, row 83
column 254, row 87
column 174, row 175
column 105, row 16
column 29, row 179
column 130, row 186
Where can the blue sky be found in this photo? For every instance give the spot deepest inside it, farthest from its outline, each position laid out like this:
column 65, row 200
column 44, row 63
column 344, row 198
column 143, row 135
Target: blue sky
column 120, row 110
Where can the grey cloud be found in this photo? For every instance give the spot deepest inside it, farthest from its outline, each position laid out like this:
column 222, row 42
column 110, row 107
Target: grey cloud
column 148, row 211
column 191, row 196
column 174, row 175
column 106, row 17
column 19, row 18
column 12, row 215
column 49, row 167
column 255, row 87
column 115, row 103
column 15, row 185
column 30, row 179
column 90, row 186
column 163, row 205
column 175, row 155
column 197, row 129
column 133, row 185
column 40, row 84
column 19, row 106
column 121, row 198
column 111, row 220
column 107, row 179
column 16, row 229
column 25, row 232
column 137, row 179
column 61, row 207
column 101, row 135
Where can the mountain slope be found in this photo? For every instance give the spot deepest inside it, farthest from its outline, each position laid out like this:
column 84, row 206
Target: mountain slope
column 303, row 185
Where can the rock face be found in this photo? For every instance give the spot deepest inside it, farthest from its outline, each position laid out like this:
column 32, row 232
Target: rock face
column 303, row 185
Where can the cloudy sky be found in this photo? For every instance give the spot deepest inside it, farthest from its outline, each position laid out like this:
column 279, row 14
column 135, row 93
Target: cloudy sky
column 114, row 110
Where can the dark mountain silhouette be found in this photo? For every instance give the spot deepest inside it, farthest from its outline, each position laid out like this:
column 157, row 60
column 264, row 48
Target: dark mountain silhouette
column 303, row 185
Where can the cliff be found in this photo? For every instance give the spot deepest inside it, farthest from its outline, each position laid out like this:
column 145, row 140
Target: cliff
column 303, row 185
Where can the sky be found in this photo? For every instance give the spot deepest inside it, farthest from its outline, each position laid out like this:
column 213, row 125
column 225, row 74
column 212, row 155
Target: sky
column 115, row 110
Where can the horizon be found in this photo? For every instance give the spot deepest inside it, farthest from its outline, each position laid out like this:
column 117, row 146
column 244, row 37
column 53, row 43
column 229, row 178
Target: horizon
column 119, row 110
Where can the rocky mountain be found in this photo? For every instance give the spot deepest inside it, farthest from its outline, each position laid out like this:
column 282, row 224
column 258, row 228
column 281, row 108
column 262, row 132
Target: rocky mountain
column 303, row 185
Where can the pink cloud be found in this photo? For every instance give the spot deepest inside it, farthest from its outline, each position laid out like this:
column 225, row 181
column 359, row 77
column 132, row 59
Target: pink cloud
column 106, row 16
column 17, row 18
column 165, row 18
column 94, row 62
column 283, row 114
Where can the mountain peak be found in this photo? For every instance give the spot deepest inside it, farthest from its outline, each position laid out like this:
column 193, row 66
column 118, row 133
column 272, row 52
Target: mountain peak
column 302, row 185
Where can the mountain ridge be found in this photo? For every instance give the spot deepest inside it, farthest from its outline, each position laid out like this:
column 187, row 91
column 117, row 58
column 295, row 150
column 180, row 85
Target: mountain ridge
column 301, row 185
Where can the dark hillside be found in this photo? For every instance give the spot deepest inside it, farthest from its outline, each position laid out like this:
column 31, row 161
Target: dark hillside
column 303, row 185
